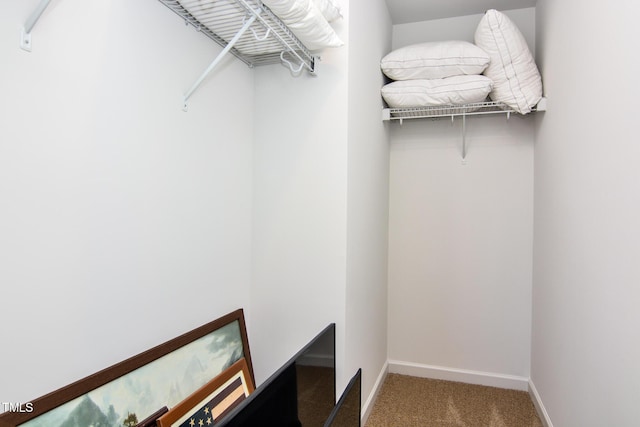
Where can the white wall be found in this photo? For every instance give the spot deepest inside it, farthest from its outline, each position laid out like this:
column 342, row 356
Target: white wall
column 459, row 28
column 269, row 194
column 299, row 215
column 460, row 237
column 368, row 196
column 123, row 220
column 320, row 205
column 586, row 341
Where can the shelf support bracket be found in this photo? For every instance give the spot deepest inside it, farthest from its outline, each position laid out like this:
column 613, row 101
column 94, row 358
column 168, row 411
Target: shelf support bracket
column 464, row 138
column 25, row 40
column 217, row 59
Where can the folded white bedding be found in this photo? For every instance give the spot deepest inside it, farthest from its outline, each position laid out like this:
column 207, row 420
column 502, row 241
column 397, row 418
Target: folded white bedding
column 455, row 90
column 516, row 78
column 305, row 20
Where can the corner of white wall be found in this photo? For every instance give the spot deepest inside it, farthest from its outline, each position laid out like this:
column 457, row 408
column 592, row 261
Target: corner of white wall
column 367, row 406
column 537, row 402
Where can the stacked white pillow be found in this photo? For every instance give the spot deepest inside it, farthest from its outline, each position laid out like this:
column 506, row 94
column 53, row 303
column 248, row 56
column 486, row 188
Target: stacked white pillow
column 499, row 65
column 516, row 78
column 309, row 20
column 436, row 74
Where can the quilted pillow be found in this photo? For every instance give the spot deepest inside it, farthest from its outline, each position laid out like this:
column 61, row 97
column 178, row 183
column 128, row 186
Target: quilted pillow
column 434, row 60
column 455, row 90
column 515, row 76
column 305, row 20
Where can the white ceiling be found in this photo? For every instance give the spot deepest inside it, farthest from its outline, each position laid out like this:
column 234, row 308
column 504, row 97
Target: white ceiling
column 404, row 11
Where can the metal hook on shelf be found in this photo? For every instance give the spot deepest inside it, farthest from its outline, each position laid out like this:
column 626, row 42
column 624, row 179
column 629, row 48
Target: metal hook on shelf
column 290, row 65
column 255, row 35
column 263, row 38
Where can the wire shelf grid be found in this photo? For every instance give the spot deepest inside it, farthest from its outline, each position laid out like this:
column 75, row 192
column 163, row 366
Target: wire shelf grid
column 268, row 37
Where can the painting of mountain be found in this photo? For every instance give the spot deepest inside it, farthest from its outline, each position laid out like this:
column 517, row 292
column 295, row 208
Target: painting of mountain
column 234, row 356
column 87, row 413
column 193, row 374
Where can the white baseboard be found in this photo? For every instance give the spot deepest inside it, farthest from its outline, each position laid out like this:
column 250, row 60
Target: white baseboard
column 537, row 402
column 491, row 379
column 367, row 407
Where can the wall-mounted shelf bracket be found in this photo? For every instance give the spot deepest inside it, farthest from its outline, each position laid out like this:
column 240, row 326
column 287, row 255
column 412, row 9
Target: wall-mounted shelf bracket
column 25, row 39
column 464, row 138
column 221, row 55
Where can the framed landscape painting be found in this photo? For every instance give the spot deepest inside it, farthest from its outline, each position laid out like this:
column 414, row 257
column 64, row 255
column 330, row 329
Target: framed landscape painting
column 131, row 391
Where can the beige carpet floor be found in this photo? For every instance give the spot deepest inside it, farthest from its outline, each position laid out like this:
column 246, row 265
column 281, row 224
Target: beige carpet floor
column 406, row 401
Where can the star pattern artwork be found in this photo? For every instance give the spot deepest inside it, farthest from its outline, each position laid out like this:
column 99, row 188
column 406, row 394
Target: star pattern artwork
column 207, row 406
column 228, row 398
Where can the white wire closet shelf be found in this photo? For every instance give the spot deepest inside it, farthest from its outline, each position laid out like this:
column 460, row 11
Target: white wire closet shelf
column 248, row 30
column 475, row 109
column 453, row 111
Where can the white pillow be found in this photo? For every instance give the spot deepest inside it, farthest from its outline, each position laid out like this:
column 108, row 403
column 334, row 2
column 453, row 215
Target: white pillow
column 434, row 60
column 330, row 9
column 455, row 90
column 305, row 20
column 516, row 79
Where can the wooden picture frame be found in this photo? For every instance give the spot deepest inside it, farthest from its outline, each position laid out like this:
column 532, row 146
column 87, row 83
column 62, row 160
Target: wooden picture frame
column 227, row 334
column 151, row 420
column 213, row 401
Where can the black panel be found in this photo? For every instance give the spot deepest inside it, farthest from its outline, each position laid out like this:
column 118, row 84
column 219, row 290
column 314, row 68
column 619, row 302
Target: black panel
column 347, row 411
column 300, row 394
